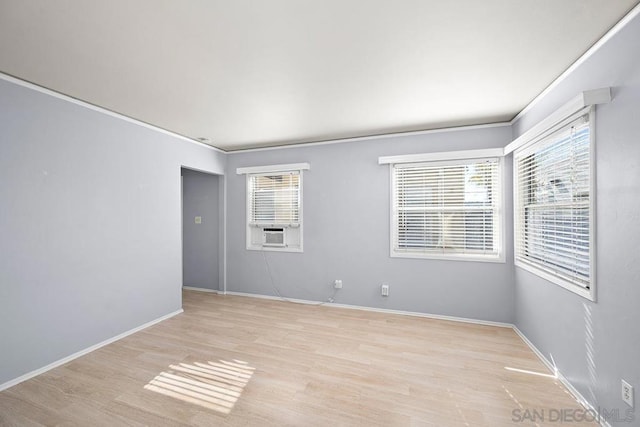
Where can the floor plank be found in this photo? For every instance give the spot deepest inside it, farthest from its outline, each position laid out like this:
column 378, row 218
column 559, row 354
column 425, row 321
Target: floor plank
column 238, row 361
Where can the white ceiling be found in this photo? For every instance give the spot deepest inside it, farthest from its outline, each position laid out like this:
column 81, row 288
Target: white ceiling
column 259, row 73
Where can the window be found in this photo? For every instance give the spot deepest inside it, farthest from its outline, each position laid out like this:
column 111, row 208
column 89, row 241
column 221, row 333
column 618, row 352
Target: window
column 447, row 209
column 274, row 207
column 274, row 199
column 554, row 213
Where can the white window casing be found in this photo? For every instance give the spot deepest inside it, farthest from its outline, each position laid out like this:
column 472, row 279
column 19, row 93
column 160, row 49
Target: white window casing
column 447, row 206
column 554, row 204
column 274, row 207
column 582, row 100
column 555, row 197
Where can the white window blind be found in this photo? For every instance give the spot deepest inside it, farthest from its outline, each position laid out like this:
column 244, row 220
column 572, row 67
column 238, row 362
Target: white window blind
column 553, row 204
column 447, row 209
column 274, row 198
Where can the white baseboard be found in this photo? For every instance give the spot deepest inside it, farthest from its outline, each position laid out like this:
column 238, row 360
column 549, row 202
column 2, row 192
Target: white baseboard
column 378, row 310
column 426, row 315
column 537, row 352
column 554, row 369
column 197, row 289
column 276, row 298
column 80, row 353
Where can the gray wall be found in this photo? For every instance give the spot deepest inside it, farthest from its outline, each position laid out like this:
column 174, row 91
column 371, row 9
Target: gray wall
column 89, row 226
column 597, row 344
column 90, row 231
column 346, row 233
column 200, row 242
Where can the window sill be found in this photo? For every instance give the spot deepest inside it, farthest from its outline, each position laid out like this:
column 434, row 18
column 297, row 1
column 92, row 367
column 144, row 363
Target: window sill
column 558, row 280
column 449, row 257
column 274, row 249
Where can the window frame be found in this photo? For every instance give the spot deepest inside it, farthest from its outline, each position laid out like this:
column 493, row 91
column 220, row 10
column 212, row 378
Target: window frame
column 271, row 170
column 444, row 159
column 537, row 268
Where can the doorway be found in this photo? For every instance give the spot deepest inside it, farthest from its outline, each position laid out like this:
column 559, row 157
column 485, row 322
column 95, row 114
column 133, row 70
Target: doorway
column 201, row 230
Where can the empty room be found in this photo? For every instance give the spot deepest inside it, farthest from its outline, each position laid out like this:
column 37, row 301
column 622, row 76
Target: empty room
column 311, row 213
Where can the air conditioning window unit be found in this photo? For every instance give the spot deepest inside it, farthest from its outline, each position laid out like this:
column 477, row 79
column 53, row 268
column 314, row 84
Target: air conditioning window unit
column 273, row 237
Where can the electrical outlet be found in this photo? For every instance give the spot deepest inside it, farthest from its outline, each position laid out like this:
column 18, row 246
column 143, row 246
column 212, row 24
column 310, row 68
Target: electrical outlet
column 627, row 393
column 384, row 290
column 337, row 284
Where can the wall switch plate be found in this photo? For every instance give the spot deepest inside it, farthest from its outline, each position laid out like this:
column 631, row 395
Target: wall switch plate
column 337, row 284
column 198, row 220
column 384, row 290
column 627, row 393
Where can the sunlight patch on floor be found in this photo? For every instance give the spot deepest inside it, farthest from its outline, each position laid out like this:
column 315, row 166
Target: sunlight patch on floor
column 212, row 385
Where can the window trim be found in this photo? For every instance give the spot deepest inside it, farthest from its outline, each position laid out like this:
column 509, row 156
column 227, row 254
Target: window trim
column 441, row 156
column 273, row 170
column 535, row 268
column 449, row 158
column 582, row 100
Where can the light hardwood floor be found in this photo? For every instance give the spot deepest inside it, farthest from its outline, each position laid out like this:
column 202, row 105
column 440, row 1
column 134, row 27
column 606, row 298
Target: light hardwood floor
column 232, row 360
